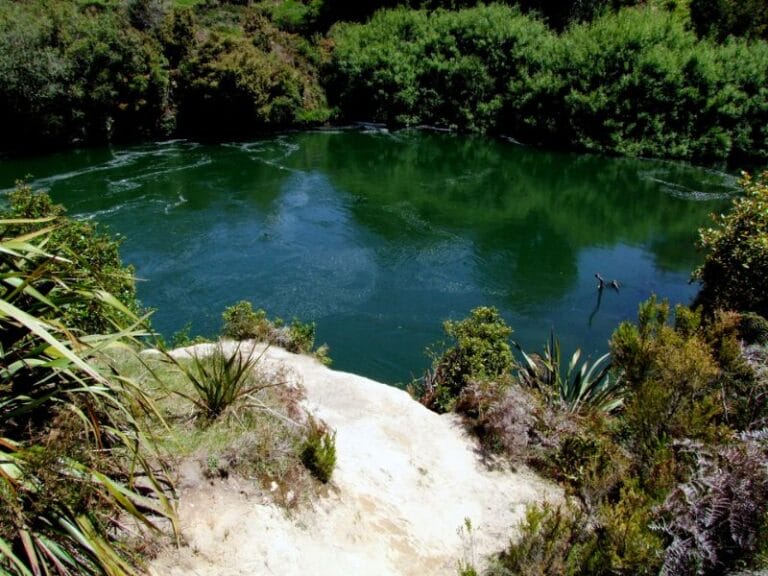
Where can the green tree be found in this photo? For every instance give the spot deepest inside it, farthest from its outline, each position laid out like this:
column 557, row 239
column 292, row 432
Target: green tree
column 735, row 269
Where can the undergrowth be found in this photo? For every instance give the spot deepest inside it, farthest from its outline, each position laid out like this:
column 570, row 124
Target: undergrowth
column 235, row 415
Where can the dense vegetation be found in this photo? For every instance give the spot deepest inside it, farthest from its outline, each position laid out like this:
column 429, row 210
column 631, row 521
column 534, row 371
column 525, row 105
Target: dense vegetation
column 663, row 450
column 635, row 82
column 76, row 464
column 602, row 75
column 73, row 72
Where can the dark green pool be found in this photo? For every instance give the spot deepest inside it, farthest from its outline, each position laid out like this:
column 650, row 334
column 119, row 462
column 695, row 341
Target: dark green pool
column 378, row 237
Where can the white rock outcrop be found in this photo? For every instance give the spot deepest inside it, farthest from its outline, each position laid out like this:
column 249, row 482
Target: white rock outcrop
column 406, row 480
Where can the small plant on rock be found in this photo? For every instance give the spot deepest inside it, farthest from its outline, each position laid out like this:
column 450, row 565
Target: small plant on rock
column 318, row 450
column 220, row 379
column 242, row 322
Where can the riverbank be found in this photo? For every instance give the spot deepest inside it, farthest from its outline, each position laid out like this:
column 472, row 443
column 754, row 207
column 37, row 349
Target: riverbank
column 406, row 483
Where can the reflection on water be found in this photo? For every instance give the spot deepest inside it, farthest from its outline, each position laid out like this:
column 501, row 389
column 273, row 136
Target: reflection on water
column 378, row 237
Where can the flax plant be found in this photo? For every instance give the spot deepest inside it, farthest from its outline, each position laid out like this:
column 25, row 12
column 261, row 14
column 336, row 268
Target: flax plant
column 582, row 385
column 77, row 473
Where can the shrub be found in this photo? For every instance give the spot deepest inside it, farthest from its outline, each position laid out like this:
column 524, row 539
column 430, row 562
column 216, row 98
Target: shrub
column 85, row 256
column 504, row 416
column 672, row 380
column 442, row 68
column 71, row 444
column 753, row 328
column 318, row 450
column 551, row 542
column 480, row 351
column 301, row 336
column 242, row 322
column 736, row 262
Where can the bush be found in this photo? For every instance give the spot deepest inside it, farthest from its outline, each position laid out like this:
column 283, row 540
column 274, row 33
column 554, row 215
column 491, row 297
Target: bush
column 85, row 256
column 318, row 450
column 736, row 262
column 242, row 322
column 480, row 351
column 673, row 383
column 753, row 328
column 550, row 544
column 72, row 448
column 444, row 68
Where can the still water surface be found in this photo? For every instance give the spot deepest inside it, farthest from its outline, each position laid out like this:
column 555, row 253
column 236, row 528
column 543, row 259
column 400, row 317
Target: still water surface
column 378, row 237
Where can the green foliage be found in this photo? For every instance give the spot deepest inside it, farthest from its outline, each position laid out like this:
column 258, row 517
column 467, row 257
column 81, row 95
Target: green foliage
column 736, row 262
column 633, row 82
column 301, row 336
column 70, row 74
column 753, row 328
column 580, row 387
column 626, row 543
column 318, row 450
column 480, row 351
column 589, row 462
column 550, row 543
column 71, row 444
column 242, row 322
column 231, row 86
column 639, row 83
column 672, row 377
column 723, row 18
column 444, row 68
column 74, row 72
column 84, row 256
column 220, row 378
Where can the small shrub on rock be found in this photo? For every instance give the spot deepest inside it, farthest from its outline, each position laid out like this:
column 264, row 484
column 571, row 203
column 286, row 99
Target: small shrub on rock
column 480, row 350
column 242, row 322
column 318, row 450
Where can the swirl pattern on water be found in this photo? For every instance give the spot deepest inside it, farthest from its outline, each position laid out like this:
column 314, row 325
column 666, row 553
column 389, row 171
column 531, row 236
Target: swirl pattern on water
column 379, row 236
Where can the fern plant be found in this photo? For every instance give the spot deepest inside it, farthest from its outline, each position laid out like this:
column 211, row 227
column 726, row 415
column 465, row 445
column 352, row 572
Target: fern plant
column 718, row 517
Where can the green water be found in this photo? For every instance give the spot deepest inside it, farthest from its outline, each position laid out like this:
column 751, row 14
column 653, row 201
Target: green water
column 378, row 237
